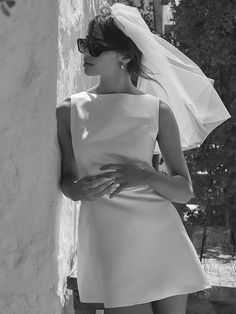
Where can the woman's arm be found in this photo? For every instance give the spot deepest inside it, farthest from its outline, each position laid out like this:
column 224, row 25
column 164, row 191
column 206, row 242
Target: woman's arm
column 69, row 171
column 177, row 185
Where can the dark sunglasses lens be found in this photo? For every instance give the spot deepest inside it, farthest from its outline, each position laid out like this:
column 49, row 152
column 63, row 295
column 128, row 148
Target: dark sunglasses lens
column 82, row 44
column 95, row 50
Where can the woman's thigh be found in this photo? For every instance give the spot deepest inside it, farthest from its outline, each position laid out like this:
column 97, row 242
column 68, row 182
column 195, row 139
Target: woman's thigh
column 172, row 305
column 145, row 308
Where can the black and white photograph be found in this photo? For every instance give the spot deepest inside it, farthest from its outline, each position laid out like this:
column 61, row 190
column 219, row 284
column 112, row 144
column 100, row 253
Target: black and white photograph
column 118, row 157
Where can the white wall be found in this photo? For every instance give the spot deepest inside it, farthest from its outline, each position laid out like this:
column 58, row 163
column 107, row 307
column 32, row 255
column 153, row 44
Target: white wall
column 39, row 66
column 72, row 23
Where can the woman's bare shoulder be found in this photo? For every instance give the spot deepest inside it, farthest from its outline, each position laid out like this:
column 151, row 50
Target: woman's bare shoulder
column 168, row 127
column 165, row 110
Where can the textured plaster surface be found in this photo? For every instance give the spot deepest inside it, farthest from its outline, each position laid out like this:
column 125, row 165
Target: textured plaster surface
column 73, row 19
column 39, row 67
column 73, row 22
column 29, row 163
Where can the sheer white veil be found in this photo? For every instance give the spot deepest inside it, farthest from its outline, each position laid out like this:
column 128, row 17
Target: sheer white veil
column 196, row 105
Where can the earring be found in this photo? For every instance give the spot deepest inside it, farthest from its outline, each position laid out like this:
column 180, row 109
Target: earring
column 122, row 66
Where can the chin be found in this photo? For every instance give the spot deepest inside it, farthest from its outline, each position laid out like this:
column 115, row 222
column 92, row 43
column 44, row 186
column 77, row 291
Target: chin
column 89, row 72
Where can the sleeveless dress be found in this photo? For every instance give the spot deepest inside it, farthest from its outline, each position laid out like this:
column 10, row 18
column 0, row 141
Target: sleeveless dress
column 133, row 248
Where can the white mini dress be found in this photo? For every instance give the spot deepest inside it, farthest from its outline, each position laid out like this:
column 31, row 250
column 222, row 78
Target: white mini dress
column 132, row 248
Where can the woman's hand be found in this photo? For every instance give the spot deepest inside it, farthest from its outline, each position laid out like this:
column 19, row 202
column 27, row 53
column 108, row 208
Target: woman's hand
column 92, row 187
column 130, row 173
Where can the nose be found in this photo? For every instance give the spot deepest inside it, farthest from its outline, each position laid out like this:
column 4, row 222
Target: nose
column 86, row 52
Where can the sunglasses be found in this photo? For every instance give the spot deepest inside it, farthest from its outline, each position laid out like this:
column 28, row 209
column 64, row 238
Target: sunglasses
column 95, row 49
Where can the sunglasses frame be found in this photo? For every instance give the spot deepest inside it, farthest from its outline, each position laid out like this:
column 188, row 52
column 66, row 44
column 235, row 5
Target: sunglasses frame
column 89, row 45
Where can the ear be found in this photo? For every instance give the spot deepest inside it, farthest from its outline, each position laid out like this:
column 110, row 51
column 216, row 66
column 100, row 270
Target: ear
column 123, row 59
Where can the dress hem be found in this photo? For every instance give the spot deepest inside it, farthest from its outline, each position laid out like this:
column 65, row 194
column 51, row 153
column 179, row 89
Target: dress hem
column 148, row 299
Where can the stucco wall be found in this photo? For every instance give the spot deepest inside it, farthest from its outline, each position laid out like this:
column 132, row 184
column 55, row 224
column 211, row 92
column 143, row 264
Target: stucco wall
column 72, row 23
column 39, row 66
column 28, row 158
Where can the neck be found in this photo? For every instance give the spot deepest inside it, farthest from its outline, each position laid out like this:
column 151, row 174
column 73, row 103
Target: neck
column 121, row 84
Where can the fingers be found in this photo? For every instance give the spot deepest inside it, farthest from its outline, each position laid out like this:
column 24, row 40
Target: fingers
column 111, row 166
column 114, row 187
column 95, row 186
column 100, row 181
column 116, row 191
column 105, row 188
column 109, row 174
column 104, row 174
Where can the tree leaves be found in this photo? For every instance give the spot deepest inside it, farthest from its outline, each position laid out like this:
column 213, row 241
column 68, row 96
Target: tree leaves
column 206, row 32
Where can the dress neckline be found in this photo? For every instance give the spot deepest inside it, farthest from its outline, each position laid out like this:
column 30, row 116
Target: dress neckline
column 108, row 94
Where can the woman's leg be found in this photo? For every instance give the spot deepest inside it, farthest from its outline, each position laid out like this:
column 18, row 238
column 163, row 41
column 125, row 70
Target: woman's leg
column 172, row 305
column 145, row 308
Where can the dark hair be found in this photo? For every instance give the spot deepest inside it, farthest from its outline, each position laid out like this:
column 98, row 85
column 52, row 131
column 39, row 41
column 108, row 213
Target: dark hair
column 115, row 37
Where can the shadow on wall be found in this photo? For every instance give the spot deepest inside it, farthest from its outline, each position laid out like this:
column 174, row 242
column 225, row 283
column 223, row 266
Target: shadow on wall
column 73, row 19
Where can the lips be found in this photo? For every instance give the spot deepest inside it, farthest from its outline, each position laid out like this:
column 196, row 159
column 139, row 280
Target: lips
column 86, row 62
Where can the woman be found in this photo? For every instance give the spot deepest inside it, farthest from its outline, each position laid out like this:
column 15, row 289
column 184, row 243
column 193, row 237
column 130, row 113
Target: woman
column 134, row 254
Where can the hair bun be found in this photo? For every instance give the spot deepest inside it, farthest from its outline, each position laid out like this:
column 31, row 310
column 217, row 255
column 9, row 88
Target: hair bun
column 105, row 10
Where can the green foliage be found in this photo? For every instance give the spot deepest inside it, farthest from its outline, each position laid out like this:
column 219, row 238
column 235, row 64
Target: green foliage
column 205, row 30
column 146, row 10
